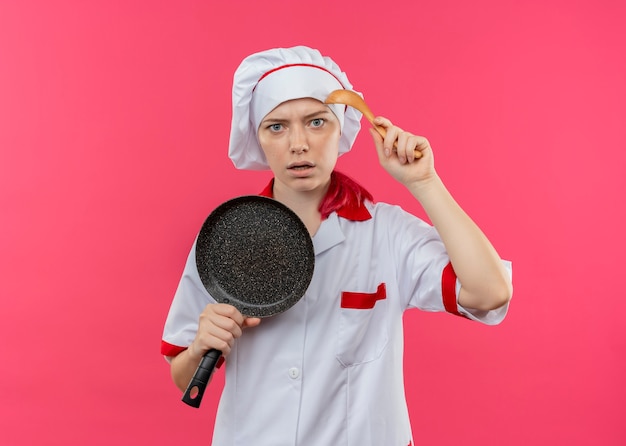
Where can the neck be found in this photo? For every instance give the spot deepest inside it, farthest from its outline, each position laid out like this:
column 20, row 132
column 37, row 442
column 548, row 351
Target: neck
column 305, row 204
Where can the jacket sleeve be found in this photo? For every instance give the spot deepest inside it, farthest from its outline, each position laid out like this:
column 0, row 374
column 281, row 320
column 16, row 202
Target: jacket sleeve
column 189, row 300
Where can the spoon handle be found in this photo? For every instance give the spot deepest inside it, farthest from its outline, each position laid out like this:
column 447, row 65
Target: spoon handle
column 350, row 98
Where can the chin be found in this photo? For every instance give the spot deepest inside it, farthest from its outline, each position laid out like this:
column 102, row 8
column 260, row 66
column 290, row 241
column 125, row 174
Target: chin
column 308, row 184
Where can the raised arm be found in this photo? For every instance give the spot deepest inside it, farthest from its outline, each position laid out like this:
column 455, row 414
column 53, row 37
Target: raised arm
column 485, row 283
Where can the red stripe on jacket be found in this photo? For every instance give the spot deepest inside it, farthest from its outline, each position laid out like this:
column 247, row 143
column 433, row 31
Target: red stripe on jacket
column 363, row 301
column 171, row 350
column 448, row 290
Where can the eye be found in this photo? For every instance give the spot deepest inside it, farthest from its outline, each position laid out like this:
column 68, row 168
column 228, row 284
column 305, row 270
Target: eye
column 317, row 122
column 276, row 127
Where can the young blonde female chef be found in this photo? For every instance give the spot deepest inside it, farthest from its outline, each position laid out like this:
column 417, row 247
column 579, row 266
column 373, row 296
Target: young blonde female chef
column 329, row 370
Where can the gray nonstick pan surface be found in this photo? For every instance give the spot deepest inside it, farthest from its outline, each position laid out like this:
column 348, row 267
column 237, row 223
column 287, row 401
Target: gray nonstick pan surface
column 256, row 254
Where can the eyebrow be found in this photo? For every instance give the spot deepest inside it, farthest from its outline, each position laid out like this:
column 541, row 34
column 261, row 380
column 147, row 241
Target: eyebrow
column 317, row 113
column 311, row 115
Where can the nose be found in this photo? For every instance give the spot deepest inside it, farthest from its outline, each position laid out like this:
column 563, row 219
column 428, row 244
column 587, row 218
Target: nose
column 298, row 142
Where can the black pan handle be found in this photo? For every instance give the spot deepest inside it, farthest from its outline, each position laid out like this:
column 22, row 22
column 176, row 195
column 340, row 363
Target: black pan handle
column 197, row 385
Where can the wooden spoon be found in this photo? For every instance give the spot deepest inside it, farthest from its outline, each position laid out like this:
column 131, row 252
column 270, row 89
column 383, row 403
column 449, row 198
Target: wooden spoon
column 349, row 97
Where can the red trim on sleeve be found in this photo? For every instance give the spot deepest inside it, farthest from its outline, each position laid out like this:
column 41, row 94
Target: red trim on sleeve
column 448, row 290
column 171, row 350
column 363, row 301
column 174, row 350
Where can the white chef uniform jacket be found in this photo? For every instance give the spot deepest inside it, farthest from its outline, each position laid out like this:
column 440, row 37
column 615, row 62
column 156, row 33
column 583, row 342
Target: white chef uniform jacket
column 329, row 370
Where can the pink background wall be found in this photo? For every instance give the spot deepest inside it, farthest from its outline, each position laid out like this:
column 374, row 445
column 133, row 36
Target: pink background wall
column 113, row 131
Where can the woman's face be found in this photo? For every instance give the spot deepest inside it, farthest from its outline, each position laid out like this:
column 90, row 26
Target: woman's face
column 300, row 139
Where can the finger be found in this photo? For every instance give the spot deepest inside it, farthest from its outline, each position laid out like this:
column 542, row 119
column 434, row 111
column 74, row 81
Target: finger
column 390, row 133
column 218, row 325
column 222, row 341
column 213, row 337
column 230, row 312
column 405, row 149
column 382, row 126
column 383, row 122
column 395, row 140
column 229, row 326
column 422, row 144
column 378, row 142
column 391, row 142
column 411, row 146
column 251, row 322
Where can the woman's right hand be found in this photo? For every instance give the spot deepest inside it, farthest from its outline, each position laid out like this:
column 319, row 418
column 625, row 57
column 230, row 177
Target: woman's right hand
column 219, row 326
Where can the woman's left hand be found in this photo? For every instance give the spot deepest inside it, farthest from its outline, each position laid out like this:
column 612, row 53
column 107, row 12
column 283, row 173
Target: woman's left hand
column 401, row 163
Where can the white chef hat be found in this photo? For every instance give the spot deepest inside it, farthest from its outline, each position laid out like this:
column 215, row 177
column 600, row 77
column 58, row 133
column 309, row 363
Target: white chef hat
column 266, row 79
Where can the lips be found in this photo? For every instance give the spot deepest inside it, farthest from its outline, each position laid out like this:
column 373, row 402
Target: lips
column 300, row 165
column 301, row 169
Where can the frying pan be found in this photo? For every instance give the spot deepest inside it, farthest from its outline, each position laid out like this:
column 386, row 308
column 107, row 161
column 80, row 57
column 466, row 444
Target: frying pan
column 256, row 254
